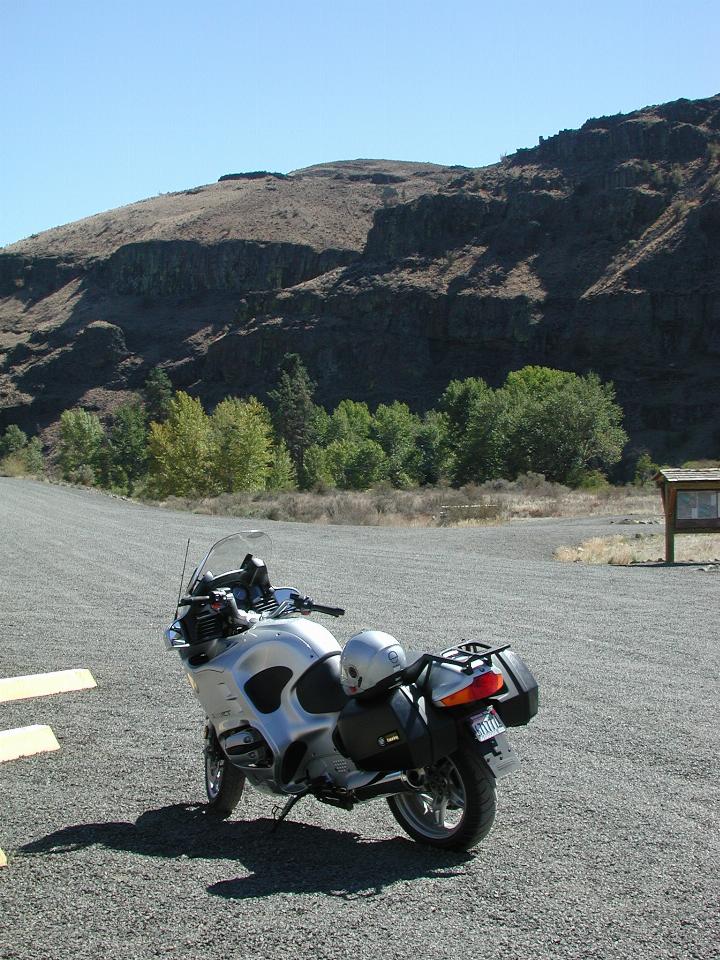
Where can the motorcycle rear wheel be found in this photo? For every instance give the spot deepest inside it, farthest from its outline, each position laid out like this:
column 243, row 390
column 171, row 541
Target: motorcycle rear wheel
column 453, row 809
column 224, row 783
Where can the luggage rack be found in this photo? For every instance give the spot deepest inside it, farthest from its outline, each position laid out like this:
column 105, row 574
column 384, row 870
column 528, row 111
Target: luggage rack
column 474, row 650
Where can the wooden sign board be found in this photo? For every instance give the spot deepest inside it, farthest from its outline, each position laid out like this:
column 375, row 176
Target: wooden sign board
column 691, row 502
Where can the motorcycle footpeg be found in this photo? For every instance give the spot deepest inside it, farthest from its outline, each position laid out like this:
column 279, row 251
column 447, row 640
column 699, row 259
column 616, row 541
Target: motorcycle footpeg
column 335, row 796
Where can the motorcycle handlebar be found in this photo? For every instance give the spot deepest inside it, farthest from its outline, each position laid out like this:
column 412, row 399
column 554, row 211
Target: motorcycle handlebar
column 305, row 605
column 330, row 611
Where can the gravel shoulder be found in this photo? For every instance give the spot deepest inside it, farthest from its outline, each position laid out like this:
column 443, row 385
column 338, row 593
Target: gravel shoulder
column 606, row 843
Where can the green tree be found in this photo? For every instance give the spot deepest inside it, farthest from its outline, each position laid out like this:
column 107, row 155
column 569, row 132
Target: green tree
column 81, row 438
column 179, row 450
column 350, row 420
column 18, row 459
column 396, row 429
column 432, row 447
column 158, row 392
column 559, row 424
column 282, row 470
column 356, row 464
column 320, row 426
column 468, row 406
column 241, row 445
column 127, row 446
column 12, row 440
column 293, row 410
column 483, row 454
column 33, row 457
column 317, row 475
column 645, row 469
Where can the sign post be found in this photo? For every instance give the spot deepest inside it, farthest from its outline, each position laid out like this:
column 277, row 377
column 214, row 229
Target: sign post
column 691, row 501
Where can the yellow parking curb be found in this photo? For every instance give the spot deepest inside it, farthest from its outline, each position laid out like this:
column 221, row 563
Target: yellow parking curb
column 26, row 741
column 3, row 859
column 44, row 684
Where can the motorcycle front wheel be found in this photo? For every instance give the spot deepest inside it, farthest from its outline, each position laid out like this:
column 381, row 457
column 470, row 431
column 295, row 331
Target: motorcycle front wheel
column 224, row 783
column 454, row 806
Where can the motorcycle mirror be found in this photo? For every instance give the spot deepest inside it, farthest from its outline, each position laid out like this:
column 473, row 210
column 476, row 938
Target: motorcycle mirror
column 259, row 576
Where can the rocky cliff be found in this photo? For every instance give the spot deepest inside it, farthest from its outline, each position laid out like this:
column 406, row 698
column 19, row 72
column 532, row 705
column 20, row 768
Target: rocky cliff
column 598, row 249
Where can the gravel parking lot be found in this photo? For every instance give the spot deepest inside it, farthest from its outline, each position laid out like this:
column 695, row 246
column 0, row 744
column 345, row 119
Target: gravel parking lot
column 606, row 843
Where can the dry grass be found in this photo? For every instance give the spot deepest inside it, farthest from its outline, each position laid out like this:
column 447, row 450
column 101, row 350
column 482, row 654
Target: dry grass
column 642, row 548
column 493, row 502
column 14, row 465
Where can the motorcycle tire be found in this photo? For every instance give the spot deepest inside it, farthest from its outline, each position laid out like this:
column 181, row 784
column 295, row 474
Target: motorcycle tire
column 455, row 807
column 224, row 783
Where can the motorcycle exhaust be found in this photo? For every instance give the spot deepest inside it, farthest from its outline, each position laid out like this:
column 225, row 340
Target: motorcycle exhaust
column 389, row 785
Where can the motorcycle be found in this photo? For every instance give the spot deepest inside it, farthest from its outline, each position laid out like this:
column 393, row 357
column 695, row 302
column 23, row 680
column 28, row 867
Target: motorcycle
column 295, row 715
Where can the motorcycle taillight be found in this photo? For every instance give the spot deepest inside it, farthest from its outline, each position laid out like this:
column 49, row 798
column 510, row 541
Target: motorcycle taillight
column 485, row 685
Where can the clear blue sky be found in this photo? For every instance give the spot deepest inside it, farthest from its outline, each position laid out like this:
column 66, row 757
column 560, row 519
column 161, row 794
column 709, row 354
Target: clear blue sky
column 104, row 103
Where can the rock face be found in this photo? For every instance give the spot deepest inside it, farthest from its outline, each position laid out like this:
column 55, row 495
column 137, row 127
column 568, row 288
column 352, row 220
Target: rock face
column 599, row 249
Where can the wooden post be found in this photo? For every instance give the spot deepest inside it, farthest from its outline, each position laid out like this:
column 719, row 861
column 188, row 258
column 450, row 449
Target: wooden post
column 670, row 505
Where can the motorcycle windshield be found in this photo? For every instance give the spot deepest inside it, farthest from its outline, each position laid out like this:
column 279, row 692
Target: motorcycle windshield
column 228, row 554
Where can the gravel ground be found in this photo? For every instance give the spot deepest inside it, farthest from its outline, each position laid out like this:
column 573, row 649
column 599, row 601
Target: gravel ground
column 606, row 843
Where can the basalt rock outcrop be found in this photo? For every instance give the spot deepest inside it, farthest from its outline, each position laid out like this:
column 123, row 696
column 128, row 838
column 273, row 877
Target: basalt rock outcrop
column 598, row 249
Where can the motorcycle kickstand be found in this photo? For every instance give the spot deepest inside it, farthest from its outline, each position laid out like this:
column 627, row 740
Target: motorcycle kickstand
column 286, row 810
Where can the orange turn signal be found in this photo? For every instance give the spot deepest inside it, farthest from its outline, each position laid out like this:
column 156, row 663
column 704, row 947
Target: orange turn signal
column 480, row 687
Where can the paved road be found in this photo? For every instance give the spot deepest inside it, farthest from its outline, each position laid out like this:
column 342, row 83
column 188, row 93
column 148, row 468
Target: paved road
column 606, row 844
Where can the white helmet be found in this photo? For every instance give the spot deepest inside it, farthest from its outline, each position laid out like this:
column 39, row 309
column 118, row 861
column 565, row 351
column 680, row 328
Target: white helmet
column 369, row 657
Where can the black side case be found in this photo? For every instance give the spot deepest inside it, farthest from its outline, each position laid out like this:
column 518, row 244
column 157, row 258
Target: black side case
column 399, row 732
column 517, row 704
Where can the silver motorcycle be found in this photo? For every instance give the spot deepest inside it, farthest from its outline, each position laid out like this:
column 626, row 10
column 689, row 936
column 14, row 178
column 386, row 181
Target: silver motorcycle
column 295, row 715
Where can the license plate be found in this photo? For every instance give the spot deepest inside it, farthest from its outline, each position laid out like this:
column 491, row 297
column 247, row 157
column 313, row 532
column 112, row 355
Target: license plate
column 487, row 724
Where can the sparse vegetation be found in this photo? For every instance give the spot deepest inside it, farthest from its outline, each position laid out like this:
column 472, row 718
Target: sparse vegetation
column 494, row 502
column 641, row 548
column 20, row 456
column 645, row 469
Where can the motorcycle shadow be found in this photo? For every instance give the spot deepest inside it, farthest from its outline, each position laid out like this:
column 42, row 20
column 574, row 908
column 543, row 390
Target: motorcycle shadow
column 293, row 858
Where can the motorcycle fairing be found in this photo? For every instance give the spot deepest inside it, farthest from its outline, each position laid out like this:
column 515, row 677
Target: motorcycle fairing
column 258, row 672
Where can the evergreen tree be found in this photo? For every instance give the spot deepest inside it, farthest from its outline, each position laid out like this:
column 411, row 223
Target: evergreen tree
column 128, row 445
column 294, row 412
column 158, row 392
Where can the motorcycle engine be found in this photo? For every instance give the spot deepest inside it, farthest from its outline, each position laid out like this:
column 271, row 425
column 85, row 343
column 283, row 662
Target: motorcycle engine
column 247, row 747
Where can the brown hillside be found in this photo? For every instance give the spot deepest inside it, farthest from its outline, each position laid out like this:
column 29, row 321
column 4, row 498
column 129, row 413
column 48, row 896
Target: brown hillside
column 597, row 249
